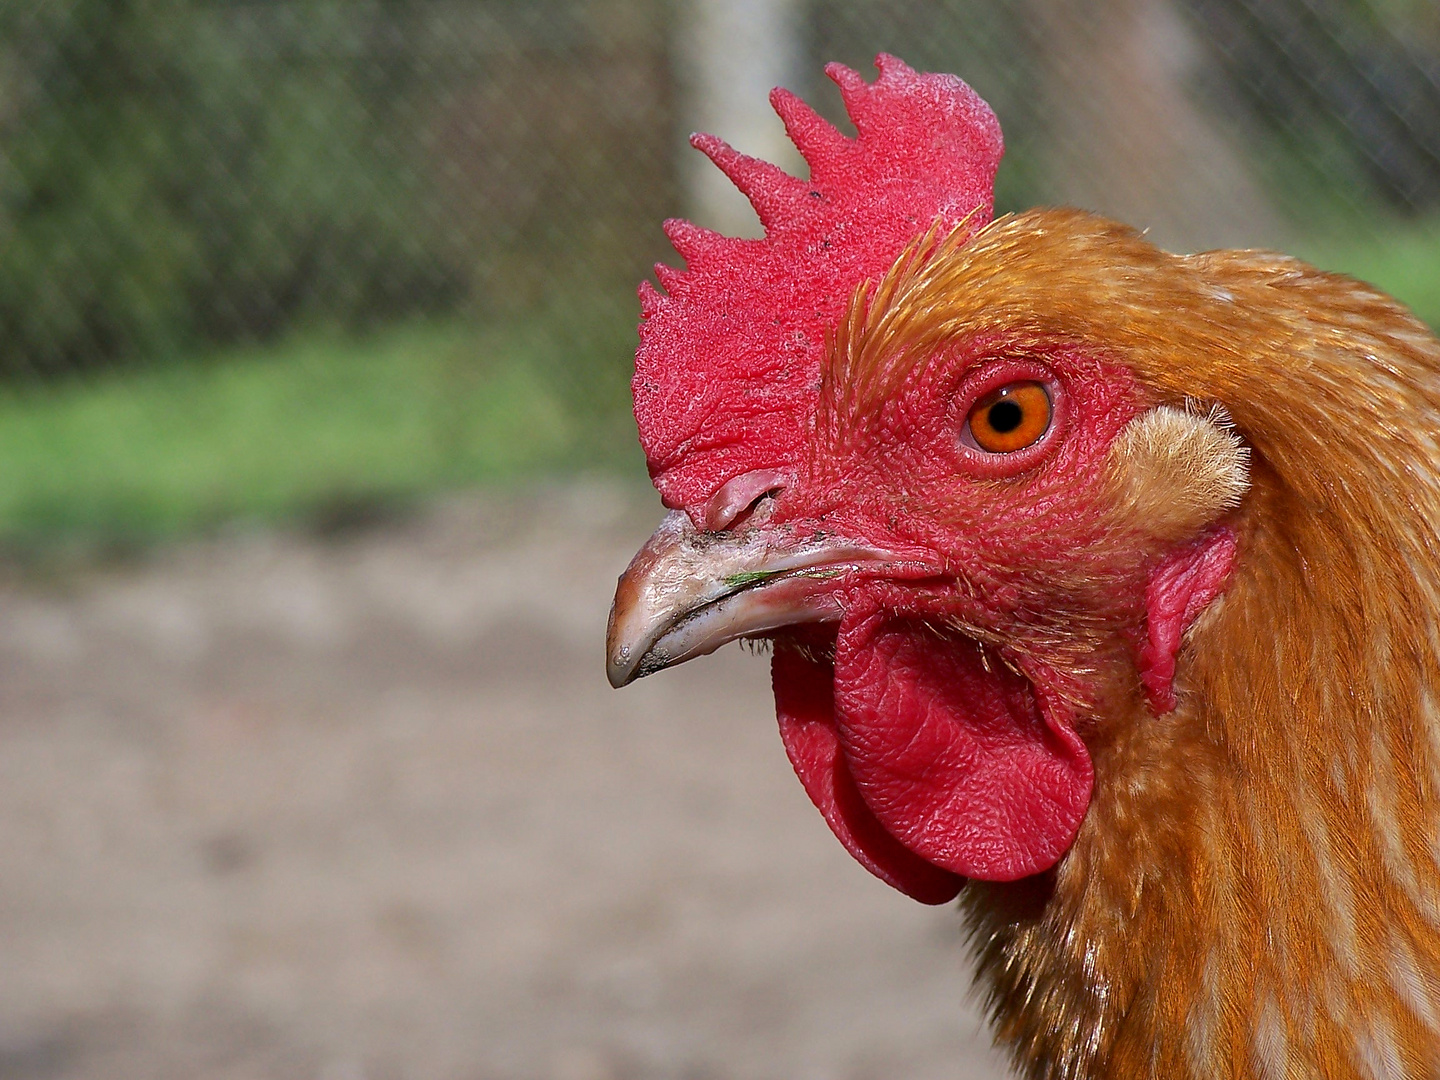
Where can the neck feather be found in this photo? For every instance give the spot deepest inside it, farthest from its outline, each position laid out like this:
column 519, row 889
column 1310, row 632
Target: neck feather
column 1255, row 891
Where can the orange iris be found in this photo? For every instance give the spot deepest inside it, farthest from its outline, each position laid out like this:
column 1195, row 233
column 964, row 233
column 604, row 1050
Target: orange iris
column 1010, row 418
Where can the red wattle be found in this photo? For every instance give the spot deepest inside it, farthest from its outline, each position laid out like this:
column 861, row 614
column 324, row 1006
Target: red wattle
column 952, row 753
column 805, row 704
column 1180, row 588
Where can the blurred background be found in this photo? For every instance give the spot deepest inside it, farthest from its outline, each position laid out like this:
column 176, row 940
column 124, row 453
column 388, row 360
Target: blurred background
column 316, row 471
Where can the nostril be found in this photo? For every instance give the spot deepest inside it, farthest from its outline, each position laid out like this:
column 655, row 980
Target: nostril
column 737, row 496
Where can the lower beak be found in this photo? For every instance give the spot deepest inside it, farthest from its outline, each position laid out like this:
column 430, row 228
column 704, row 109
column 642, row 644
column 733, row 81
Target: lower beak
column 686, row 592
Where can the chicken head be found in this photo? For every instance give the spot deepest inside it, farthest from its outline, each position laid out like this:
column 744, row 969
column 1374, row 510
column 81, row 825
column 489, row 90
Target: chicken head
column 972, row 537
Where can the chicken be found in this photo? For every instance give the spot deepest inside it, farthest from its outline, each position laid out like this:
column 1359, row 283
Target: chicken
column 1103, row 586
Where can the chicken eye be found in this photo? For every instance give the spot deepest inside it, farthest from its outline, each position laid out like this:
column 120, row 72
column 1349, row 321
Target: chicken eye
column 1010, row 418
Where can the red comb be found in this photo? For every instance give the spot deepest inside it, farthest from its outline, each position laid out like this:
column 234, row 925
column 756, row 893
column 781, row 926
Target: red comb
column 727, row 372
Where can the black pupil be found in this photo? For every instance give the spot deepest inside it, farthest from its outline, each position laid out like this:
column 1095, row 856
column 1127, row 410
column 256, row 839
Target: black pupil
column 1005, row 416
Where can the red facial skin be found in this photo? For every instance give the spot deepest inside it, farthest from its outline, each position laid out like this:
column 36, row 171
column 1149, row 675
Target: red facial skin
column 939, row 726
column 931, row 758
column 1024, row 530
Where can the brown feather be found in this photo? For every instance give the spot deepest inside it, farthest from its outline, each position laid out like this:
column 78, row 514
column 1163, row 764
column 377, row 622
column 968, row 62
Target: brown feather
column 1255, row 890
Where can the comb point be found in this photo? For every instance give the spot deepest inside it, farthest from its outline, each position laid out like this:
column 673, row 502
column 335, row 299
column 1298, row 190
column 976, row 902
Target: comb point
column 695, row 243
column 856, row 93
column 820, row 143
column 772, row 191
column 846, row 78
column 668, row 276
column 890, row 64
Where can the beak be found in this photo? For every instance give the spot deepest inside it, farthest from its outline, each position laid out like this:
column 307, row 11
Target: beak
column 686, row 592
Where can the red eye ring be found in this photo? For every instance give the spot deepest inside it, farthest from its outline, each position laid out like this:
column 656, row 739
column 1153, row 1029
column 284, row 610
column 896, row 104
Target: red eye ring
column 1010, row 418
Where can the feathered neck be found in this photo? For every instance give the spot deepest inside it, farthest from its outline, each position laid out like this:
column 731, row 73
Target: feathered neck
column 1255, row 891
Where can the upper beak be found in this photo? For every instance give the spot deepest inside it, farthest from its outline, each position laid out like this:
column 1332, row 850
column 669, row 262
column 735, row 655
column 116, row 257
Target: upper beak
column 686, row 592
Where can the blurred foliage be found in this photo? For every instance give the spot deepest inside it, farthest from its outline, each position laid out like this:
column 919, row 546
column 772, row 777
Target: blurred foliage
column 176, row 172
column 159, row 188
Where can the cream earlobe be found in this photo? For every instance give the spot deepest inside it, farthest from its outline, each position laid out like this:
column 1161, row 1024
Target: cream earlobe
column 1171, row 472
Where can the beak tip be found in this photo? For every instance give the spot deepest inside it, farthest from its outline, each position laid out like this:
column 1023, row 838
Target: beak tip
column 619, row 663
column 623, row 666
column 619, row 672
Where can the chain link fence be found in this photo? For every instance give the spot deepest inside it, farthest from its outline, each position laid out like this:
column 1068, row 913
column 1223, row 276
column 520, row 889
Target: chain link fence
column 174, row 172
column 176, row 175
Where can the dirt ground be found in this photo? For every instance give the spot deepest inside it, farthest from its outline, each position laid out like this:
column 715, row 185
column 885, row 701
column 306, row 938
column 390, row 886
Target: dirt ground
column 365, row 808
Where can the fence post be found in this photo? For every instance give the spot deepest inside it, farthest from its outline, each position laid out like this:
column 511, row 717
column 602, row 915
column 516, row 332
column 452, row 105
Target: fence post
column 730, row 54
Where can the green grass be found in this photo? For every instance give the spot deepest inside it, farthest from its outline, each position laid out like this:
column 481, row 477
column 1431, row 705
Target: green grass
column 319, row 426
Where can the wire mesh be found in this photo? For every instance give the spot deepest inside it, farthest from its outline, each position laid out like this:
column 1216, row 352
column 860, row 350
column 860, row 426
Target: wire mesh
column 176, row 174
